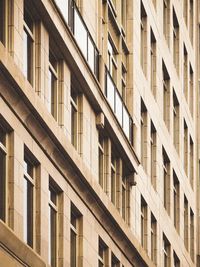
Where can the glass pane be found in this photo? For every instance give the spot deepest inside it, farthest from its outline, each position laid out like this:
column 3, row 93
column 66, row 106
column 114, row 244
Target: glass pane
column 53, row 195
column 2, row 22
column 52, row 237
column 74, row 126
column 28, row 213
column 118, row 108
column 72, row 249
column 2, row 184
column 2, row 136
column 126, row 125
column 63, row 6
column 110, row 92
column 100, row 167
column 91, row 54
column 27, row 57
column 73, row 219
column 52, row 94
column 80, row 33
column 113, row 186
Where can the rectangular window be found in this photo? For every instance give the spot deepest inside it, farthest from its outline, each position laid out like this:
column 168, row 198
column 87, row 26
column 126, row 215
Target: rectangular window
column 29, row 183
column 143, row 41
column 102, row 254
column 101, row 158
column 185, row 73
column 185, row 148
column 153, row 154
column 176, row 196
column 76, row 119
column 191, row 90
column 112, row 60
column 166, row 20
column 166, row 96
column 125, row 196
column 176, row 123
column 192, row 235
column 114, row 261
column 53, row 85
column 123, row 14
column 143, row 129
column 166, row 181
column 75, row 235
column 28, row 40
column 113, row 178
column 175, row 41
column 166, row 252
column 176, row 260
column 153, row 239
column 191, row 30
column 185, row 11
column 3, row 22
column 191, row 162
column 153, row 64
column 186, row 218
column 143, row 222
column 3, row 176
column 124, row 76
column 53, row 213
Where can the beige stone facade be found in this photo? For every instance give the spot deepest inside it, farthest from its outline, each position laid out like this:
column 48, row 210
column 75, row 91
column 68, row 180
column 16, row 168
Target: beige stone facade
column 99, row 133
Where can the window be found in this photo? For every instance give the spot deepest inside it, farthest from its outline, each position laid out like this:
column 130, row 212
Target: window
column 176, row 195
column 143, row 223
column 192, row 235
column 191, row 30
column 191, row 162
column 166, row 181
column 53, row 214
column 101, row 158
column 176, row 260
column 76, row 119
column 153, row 63
column 185, row 11
column 29, row 183
column 166, row 96
column 124, row 75
column 114, row 178
column 28, row 40
column 185, row 156
column 176, row 122
column 143, row 41
column 3, row 21
column 114, row 261
column 153, row 239
column 153, row 154
column 186, row 227
column 166, row 20
column 103, row 254
column 185, row 73
column 143, row 135
column 3, row 172
column 191, row 90
column 175, row 41
column 112, row 60
column 75, row 236
column 53, row 85
column 166, row 252
column 125, row 196
column 123, row 13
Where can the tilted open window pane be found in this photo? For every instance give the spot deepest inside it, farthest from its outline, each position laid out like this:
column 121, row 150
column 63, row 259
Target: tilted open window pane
column 63, row 6
column 91, row 54
column 126, row 122
column 80, row 33
column 118, row 108
column 110, row 93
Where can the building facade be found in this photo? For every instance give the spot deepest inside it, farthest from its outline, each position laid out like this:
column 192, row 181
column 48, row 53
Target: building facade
column 99, row 133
